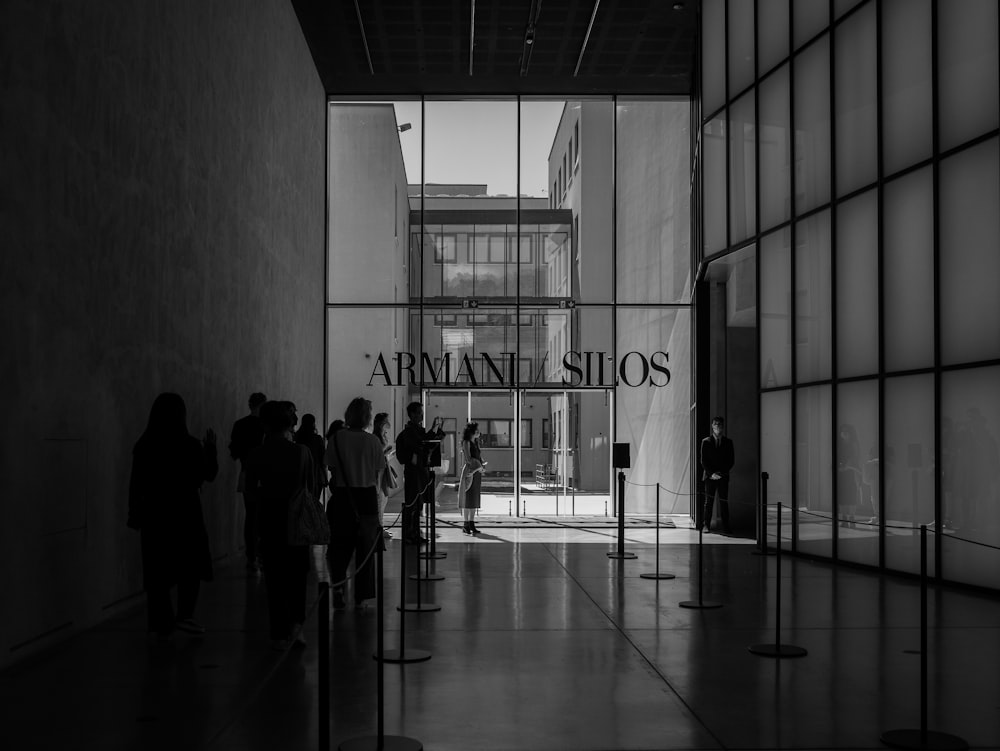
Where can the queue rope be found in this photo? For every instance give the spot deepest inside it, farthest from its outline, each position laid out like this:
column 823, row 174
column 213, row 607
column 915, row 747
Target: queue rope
column 378, row 539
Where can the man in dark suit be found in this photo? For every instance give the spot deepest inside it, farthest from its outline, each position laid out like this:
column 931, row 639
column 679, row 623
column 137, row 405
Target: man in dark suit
column 414, row 450
column 717, row 458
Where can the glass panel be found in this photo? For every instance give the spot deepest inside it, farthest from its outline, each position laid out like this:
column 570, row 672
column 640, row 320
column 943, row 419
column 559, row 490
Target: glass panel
column 742, row 170
column 591, row 189
column 772, row 34
column 732, row 378
column 362, row 359
column 654, row 202
column 908, row 281
column 776, row 458
column 812, row 126
column 369, row 209
column 714, row 185
column 740, row 25
column 776, row 309
column 857, row 471
column 814, row 470
column 713, row 55
column 840, row 7
column 906, row 83
column 809, row 17
column 970, row 262
column 970, row 475
column 498, row 440
column 968, row 82
column 654, row 412
column 775, row 150
column 857, row 285
column 908, row 468
column 855, row 98
column 813, row 315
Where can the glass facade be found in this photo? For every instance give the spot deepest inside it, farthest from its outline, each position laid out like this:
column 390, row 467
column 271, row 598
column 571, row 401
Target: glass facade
column 864, row 164
column 536, row 279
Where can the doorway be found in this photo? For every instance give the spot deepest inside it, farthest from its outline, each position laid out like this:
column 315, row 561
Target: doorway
column 547, row 452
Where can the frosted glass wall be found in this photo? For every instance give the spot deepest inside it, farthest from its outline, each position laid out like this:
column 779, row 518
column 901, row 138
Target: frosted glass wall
column 872, row 197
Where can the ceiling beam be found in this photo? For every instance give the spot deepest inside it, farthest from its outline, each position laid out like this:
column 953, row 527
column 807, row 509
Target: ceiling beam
column 586, row 38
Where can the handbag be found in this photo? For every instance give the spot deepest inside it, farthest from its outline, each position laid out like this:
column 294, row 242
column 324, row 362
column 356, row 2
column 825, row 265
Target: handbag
column 307, row 522
column 391, row 481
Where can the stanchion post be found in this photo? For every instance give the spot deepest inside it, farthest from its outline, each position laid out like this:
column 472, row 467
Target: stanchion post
column 324, row 666
column 431, row 521
column 620, row 554
column 777, row 649
column 402, row 654
column 656, row 574
column 419, row 606
column 381, row 741
column 700, row 604
column 923, row 739
column 762, row 548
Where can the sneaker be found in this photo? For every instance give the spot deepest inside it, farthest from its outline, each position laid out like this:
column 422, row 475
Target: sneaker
column 191, row 626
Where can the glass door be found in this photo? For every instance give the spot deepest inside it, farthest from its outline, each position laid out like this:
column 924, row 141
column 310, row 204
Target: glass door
column 565, row 453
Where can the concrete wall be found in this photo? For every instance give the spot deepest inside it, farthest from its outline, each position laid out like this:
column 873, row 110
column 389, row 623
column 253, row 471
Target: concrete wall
column 162, row 221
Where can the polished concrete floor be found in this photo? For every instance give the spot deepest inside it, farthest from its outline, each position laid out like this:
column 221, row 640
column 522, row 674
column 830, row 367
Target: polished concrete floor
column 541, row 642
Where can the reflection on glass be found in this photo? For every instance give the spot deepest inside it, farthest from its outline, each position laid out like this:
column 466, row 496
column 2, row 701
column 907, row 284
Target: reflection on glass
column 857, row 286
column 714, row 185
column 813, row 315
column 772, row 37
column 814, row 470
column 775, row 150
column 776, row 309
column 742, row 169
column 906, row 82
column 908, row 467
column 858, row 472
column 776, row 460
column 970, row 474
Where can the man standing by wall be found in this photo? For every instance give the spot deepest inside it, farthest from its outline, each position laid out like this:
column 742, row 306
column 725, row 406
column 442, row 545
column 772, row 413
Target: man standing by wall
column 414, row 446
column 717, row 459
column 248, row 433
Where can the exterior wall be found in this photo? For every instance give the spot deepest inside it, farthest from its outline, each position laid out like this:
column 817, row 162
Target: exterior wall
column 369, row 230
column 162, row 220
column 867, row 183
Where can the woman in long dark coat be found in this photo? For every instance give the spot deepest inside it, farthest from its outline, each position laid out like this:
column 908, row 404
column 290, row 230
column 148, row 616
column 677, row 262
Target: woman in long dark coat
column 276, row 471
column 169, row 466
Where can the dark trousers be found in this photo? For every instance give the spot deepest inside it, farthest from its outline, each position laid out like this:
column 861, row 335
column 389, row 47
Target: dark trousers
column 285, row 571
column 160, row 607
column 712, row 487
column 418, row 489
column 354, row 532
column 251, row 533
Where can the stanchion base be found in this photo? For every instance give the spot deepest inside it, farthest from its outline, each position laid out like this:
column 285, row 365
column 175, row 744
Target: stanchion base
column 432, row 577
column 435, row 556
column 389, row 743
column 623, row 556
column 655, row 575
column 407, row 655
column 702, row 605
column 423, row 607
column 932, row 741
column 777, row 650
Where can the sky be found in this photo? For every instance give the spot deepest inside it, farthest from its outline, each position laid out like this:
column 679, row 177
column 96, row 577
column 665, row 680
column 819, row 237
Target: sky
column 476, row 142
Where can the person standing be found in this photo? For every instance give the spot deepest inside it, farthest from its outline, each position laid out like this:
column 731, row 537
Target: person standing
column 247, row 434
column 356, row 461
column 308, row 436
column 470, row 480
column 717, row 459
column 276, row 471
column 382, row 431
column 413, row 448
column 169, row 466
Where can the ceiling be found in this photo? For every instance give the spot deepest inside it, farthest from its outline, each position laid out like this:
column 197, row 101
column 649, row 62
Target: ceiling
column 501, row 46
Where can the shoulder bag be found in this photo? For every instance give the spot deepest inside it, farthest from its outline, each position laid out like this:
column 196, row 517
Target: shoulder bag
column 307, row 522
